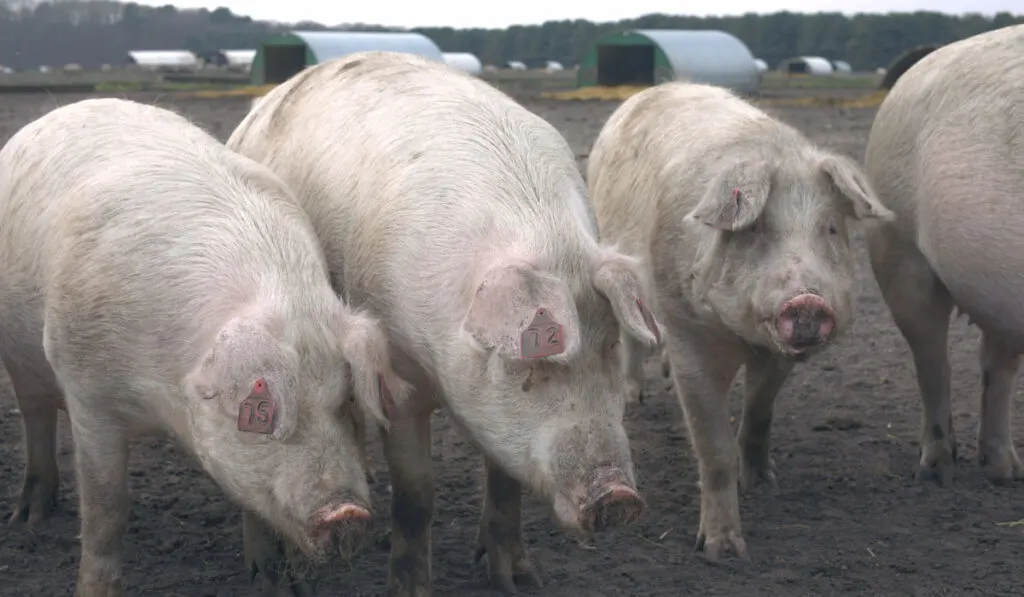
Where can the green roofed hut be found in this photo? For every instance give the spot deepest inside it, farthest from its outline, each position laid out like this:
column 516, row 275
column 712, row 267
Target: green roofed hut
column 652, row 56
column 282, row 56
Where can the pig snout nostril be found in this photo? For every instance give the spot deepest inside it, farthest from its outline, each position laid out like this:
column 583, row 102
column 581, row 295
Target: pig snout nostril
column 611, row 505
column 341, row 526
column 805, row 321
column 610, row 501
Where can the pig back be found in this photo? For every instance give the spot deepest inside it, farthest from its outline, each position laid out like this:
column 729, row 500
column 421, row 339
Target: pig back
column 134, row 215
column 946, row 153
column 410, row 171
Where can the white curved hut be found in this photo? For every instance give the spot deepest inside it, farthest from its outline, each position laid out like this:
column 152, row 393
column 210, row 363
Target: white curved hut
column 464, row 61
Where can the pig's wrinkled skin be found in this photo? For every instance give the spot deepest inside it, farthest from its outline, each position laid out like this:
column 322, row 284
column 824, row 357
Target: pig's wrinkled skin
column 946, row 153
column 741, row 225
column 454, row 214
column 149, row 279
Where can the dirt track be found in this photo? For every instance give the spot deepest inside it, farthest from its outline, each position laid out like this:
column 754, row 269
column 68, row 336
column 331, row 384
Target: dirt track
column 848, row 519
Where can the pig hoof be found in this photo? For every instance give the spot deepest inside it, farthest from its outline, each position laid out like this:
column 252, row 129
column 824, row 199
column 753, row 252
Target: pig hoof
column 615, row 505
column 1002, row 465
column 507, row 565
column 38, row 501
column 715, row 546
column 758, row 475
column 936, row 464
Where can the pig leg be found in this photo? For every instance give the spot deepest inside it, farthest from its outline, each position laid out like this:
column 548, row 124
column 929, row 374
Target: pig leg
column 765, row 377
column 266, row 553
column 500, row 535
column 920, row 305
column 999, row 367
column 101, row 462
column 407, row 450
column 702, row 379
column 633, row 367
column 37, row 402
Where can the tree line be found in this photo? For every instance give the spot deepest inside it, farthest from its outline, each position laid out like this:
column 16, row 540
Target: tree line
column 95, row 32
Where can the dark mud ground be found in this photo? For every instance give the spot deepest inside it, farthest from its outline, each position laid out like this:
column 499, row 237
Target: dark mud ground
column 849, row 517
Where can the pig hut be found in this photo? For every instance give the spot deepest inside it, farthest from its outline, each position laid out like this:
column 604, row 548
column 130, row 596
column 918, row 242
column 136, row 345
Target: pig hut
column 281, row 56
column 162, row 60
column 646, row 57
column 464, row 61
column 807, row 65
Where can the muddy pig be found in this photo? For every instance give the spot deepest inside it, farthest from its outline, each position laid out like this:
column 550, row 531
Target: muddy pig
column 946, row 153
column 741, row 226
column 152, row 281
column 461, row 220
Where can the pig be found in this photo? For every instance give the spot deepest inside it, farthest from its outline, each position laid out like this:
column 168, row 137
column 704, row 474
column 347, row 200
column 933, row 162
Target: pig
column 945, row 154
column 740, row 224
column 152, row 281
column 462, row 222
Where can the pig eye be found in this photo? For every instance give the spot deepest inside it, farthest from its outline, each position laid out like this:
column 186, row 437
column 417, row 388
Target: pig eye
column 832, row 229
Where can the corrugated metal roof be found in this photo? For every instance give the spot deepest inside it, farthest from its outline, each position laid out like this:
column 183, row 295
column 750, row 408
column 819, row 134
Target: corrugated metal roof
column 163, row 58
column 707, row 56
column 464, row 61
column 238, row 57
column 326, row 45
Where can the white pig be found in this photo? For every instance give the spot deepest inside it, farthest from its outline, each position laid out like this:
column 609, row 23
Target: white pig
column 462, row 221
column 740, row 223
column 946, row 153
column 152, row 281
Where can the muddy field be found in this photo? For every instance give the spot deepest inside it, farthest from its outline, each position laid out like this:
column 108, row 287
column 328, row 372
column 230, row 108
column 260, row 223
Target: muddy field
column 849, row 518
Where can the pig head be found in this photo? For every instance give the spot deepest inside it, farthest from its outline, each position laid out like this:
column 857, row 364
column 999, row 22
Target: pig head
column 535, row 379
column 772, row 257
column 273, row 421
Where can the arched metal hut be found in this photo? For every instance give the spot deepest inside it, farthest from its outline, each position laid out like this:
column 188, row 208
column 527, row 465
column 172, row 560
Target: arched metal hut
column 807, row 65
column 653, row 56
column 282, row 56
column 464, row 61
column 165, row 60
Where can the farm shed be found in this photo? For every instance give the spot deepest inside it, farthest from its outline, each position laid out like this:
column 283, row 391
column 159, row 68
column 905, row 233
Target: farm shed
column 807, row 65
column 516, row 65
column 237, row 59
column 282, row 56
column 903, row 63
column 163, row 59
column 762, row 66
column 464, row 61
column 652, row 56
column 842, row 66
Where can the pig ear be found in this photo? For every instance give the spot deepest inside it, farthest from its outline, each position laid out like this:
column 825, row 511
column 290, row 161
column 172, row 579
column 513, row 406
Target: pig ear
column 616, row 278
column 736, row 197
column 231, row 374
column 378, row 389
column 859, row 198
column 523, row 314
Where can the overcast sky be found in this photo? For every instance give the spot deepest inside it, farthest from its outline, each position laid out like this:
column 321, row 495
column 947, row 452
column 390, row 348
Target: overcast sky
column 464, row 13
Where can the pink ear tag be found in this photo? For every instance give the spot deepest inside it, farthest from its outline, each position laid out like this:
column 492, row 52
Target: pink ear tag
column 648, row 319
column 256, row 412
column 544, row 337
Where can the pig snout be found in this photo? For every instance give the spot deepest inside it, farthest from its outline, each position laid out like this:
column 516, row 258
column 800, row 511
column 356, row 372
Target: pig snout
column 610, row 501
column 805, row 321
column 340, row 526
